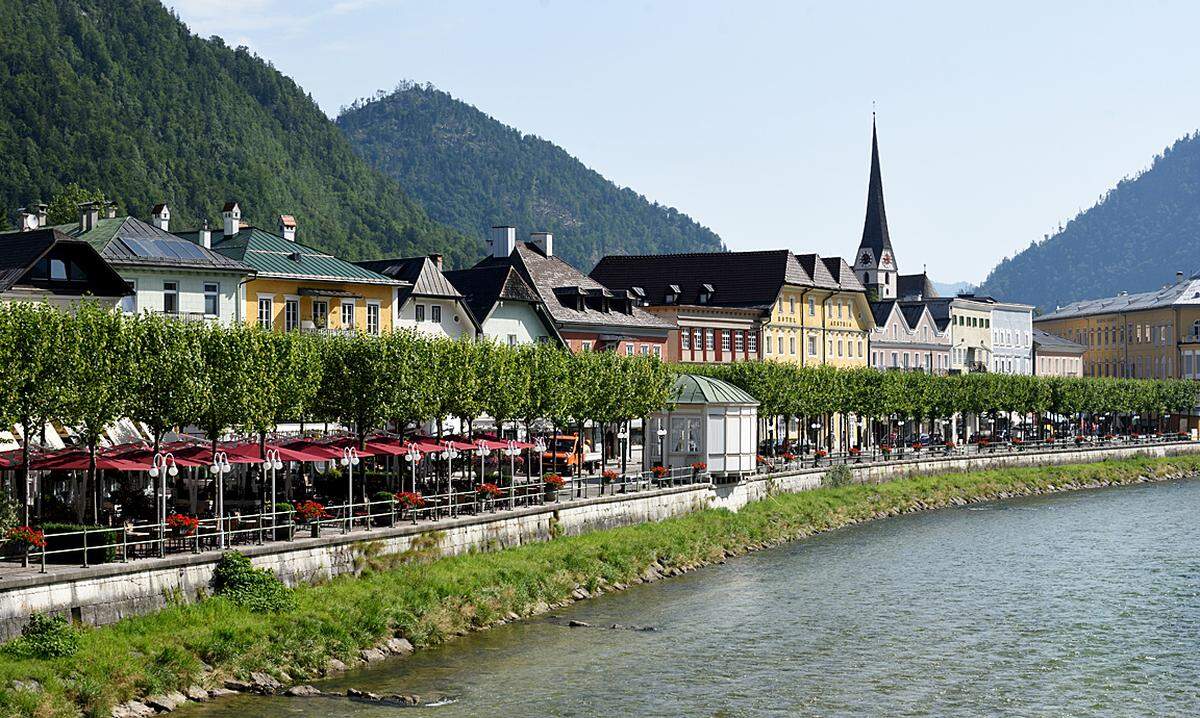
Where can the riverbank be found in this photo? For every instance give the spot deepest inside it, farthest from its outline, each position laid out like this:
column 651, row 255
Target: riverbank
column 426, row 601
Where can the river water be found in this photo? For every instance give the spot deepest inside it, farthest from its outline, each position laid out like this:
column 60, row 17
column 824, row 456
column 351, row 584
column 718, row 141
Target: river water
column 1082, row 604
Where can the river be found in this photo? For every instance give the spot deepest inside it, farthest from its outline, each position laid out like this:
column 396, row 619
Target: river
column 1082, row 604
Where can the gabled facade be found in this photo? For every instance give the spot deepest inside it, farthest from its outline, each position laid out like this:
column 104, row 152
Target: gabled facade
column 426, row 301
column 835, row 318
column 298, row 288
column 508, row 310
column 170, row 275
column 587, row 315
column 1055, row 356
column 906, row 337
column 47, row 266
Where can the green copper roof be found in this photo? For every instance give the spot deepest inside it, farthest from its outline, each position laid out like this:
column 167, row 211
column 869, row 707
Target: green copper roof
column 273, row 255
column 695, row 389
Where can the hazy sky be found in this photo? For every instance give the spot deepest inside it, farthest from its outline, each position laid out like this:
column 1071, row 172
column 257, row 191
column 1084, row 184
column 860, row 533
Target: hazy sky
column 996, row 122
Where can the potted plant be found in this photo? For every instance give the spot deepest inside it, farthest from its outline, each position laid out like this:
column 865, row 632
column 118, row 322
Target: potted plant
column 698, row 468
column 608, row 476
column 182, row 525
column 1050, row 440
column 916, row 447
column 789, row 456
column 856, row 452
column 818, row 455
column 949, row 445
column 552, row 483
column 284, row 521
column 311, row 513
column 660, row 471
column 488, row 492
column 1078, row 439
column 886, row 450
column 25, row 538
column 1019, row 443
column 408, row 502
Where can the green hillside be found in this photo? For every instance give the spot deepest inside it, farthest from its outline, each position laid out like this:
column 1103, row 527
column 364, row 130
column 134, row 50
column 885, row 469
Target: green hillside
column 119, row 96
column 471, row 172
column 1135, row 239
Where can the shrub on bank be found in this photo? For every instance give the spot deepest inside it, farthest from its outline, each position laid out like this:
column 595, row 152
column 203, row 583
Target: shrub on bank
column 429, row 600
column 45, row 636
column 255, row 589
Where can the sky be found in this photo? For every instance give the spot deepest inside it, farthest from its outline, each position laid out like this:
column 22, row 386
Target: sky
column 997, row 122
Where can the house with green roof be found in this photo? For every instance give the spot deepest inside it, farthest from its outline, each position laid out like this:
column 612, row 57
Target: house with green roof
column 169, row 274
column 296, row 287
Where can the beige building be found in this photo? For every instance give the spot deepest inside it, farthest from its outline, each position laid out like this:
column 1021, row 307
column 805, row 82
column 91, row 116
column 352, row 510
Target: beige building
column 1055, row 356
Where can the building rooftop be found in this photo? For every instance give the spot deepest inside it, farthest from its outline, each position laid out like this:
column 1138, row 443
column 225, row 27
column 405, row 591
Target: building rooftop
column 738, row 279
column 1185, row 291
column 128, row 241
column 1048, row 342
column 272, row 255
column 699, row 389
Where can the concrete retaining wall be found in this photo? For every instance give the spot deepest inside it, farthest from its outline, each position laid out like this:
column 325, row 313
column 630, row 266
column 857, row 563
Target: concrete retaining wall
column 107, row 593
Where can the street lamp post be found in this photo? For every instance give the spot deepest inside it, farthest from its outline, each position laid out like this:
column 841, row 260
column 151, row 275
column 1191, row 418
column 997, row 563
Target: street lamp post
column 162, row 466
column 512, row 451
column 272, row 463
column 482, row 451
column 623, row 437
column 451, row 454
column 661, row 432
column 219, row 467
column 539, row 445
column 349, row 460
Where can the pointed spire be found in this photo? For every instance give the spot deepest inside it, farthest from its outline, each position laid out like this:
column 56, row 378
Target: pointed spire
column 875, row 230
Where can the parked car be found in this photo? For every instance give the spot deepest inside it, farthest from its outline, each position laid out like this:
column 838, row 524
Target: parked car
column 562, row 453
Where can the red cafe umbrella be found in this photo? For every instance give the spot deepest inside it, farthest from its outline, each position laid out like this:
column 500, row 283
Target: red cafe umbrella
column 145, row 455
column 442, row 443
column 314, row 448
column 77, row 459
column 253, row 453
column 388, row 446
column 350, row 441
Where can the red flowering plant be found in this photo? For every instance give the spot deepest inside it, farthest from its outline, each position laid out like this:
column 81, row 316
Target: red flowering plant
column 409, row 500
column 760, row 459
column 699, row 466
column 949, row 445
column 855, row 451
column 789, row 456
column 1079, row 439
column 308, row 511
column 660, row 471
column 183, row 524
column 1110, row 437
column 1049, row 439
column 26, row 536
column 553, row 482
column 886, row 449
column 488, row 491
column 916, row 446
column 1018, row 440
column 609, row 476
column 820, row 453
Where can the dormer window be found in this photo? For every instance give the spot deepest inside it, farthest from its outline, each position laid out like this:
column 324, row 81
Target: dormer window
column 706, row 291
column 672, row 295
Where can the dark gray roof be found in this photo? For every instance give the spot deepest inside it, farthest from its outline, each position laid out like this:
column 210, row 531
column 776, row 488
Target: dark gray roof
column 21, row 251
column 815, row 268
column 1185, row 291
column 912, row 312
column 558, row 283
column 915, row 286
column 1046, row 341
column 843, row 274
column 482, row 287
column 128, row 241
column 881, row 310
column 738, row 279
column 420, row 275
column 875, row 235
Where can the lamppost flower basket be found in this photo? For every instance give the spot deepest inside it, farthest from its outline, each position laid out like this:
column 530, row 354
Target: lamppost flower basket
column 552, row 484
column 311, row 513
column 856, row 454
column 818, row 455
column 698, row 468
column 660, row 472
column 183, row 525
column 487, row 493
column 409, row 501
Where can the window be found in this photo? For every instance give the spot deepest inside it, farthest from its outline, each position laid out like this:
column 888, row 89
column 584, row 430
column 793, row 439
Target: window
column 629, row 349
column 860, row 348
column 266, row 313
column 839, row 347
column 685, row 339
column 739, row 342
column 320, row 313
column 512, row 340
column 585, row 346
column 791, row 305
column 170, row 296
column 420, row 312
column 58, row 270
column 129, row 304
column 812, row 306
column 725, row 341
column 780, row 345
column 291, row 314
column 435, row 313
column 792, row 343
column 645, row 350
column 895, row 361
column 839, row 310
column 812, row 346
column 752, row 342
column 696, row 338
column 709, row 340
column 372, row 318
column 347, row 315
column 658, row 351
column 212, row 299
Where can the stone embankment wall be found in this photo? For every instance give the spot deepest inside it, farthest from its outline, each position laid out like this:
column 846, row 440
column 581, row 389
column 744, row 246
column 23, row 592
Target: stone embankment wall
column 107, row 593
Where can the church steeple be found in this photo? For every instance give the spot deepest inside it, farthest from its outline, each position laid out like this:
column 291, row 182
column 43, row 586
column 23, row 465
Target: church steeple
column 875, row 262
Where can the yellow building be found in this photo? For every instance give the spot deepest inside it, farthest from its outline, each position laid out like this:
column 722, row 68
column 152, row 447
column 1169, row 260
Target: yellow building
column 300, row 288
column 1146, row 335
column 821, row 315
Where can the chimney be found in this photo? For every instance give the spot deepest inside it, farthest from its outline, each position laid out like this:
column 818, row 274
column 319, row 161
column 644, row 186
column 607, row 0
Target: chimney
column 204, row 236
column 1178, row 277
column 26, row 220
column 287, row 227
column 437, row 261
column 503, row 241
column 160, row 216
column 232, row 215
column 110, row 209
column 543, row 241
column 89, row 215
column 41, row 210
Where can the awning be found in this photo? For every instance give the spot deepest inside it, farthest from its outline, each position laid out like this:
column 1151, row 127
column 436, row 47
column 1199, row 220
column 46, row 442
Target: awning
column 145, row 456
column 77, row 460
column 320, row 292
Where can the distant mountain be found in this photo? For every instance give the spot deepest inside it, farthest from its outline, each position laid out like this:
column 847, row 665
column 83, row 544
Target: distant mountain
column 118, row 95
column 1134, row 239
column 472, row 172
column 950, row 289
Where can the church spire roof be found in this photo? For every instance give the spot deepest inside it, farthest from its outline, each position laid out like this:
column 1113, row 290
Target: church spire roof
column 875, row 229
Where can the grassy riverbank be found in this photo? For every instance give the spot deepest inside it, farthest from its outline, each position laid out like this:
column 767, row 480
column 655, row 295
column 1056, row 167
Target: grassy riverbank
column 429, row 600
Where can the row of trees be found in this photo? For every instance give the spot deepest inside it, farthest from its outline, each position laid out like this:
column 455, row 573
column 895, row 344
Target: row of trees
column 92, row 367
column 791, row 390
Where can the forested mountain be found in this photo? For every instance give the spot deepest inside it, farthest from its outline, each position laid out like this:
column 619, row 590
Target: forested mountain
column 472, row 172
column 118, row 96
column 1135, row 239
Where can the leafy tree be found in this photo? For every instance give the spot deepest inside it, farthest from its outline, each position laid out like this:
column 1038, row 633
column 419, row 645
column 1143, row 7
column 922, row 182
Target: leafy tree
column 165, row 381
column 64, row 207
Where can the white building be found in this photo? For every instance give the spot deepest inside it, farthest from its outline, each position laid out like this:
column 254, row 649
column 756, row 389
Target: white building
column 509, row 311
column 170, row 275
column 425, row 300
column 1012, row 339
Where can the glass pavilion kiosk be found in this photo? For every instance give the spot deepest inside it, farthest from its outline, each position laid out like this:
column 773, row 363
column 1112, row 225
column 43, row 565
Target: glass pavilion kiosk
column 712, row 421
